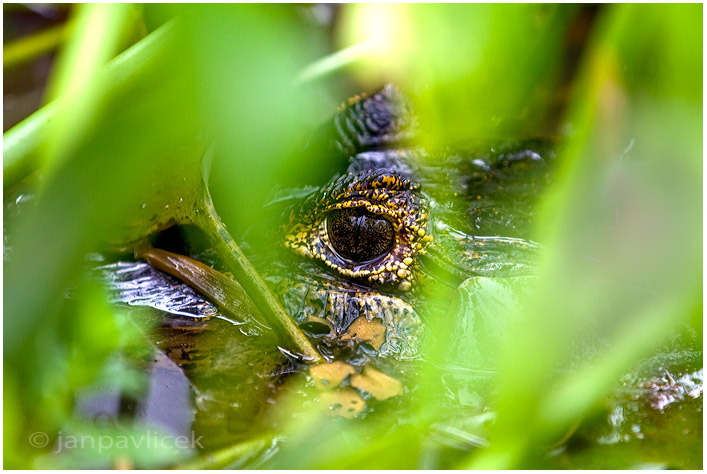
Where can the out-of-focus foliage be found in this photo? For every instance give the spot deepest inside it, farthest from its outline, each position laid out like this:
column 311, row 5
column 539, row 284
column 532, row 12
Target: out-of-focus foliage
column 486, row 71
column 613, row 282
column 120, row 151
column 142, row 143
column 624, row 260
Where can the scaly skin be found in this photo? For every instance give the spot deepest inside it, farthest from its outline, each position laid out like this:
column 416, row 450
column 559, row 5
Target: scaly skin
column 368, row 129
column 384, row 177
column 379, row 192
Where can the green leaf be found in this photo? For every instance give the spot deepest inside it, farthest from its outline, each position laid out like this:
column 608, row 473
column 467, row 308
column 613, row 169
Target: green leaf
column 622, row 263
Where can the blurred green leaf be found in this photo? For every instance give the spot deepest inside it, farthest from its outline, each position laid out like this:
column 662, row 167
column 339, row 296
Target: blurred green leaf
column 23, row 143
column 113, row 171
column 619, row 232
column 475, row 71
column 486, row 311
column 13, row 443
column 249, row 100
column 124, row 144
column 93, row 41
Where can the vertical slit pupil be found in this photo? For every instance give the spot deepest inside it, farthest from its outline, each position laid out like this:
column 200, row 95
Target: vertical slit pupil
column 359, row 235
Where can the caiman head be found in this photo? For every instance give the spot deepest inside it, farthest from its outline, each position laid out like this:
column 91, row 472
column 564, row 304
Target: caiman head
column 362, row 233
column 367, row 238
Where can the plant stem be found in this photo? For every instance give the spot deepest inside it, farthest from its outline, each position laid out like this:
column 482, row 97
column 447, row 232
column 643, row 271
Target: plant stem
column 30, row 47
column 334, row 62
column 247, row 275
column 225, row 456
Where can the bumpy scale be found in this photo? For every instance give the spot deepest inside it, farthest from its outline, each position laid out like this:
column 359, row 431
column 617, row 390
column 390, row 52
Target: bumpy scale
column 382, row 193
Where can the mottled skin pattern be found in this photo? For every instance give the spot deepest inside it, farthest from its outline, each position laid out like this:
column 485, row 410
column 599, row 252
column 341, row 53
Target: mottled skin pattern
column 326, row 310
column 378, row 121
column 439, row 211
column 389, row 176
column 365, row 128
column 380, row 192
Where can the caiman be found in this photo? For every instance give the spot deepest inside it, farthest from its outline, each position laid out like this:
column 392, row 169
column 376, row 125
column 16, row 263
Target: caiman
column 367, row 265
column 357, row 259
column 372, row 236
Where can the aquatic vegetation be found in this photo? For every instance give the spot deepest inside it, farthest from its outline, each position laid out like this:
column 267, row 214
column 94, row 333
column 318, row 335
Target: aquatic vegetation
column 574, row 341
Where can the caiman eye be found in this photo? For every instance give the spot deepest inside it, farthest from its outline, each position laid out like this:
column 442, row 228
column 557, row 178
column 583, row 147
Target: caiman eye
column 359, row 235
column 369, row 225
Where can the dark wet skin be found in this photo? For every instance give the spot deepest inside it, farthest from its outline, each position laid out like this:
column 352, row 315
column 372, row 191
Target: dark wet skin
column 352, row 251
column 358, row 250
column 429, row 204
column 434, row 206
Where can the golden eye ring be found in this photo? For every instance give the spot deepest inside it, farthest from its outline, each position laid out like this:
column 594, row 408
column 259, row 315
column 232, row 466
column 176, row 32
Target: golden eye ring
column 371, row 202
